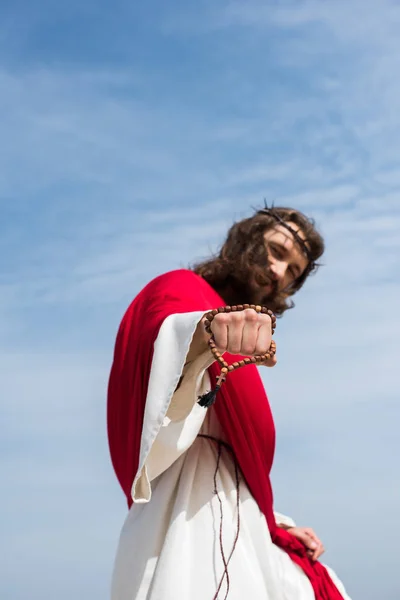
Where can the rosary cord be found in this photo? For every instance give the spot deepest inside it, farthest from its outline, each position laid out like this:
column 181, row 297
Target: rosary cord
column 225, row 561
column 221, row 543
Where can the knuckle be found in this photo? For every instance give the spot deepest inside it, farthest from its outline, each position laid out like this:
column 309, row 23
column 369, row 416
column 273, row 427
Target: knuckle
column 250, row 315
column 265, row 319
column 234, row 349
column 235, row 317
column 220, row 318
column 247, row 349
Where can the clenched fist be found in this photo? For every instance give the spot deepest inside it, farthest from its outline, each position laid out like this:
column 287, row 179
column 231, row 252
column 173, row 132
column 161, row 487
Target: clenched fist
column 243, row 332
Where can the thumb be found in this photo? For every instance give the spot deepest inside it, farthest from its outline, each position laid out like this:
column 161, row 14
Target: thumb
column 271, row 362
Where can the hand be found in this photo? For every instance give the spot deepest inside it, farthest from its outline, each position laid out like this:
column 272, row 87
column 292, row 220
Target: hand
column 243, row 332
column 307, row 536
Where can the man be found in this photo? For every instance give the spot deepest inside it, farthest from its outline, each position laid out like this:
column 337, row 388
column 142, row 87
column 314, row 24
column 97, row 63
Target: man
column 196, row 474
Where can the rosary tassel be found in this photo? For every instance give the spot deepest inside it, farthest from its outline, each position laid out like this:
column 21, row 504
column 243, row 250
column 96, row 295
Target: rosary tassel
column 208, row 398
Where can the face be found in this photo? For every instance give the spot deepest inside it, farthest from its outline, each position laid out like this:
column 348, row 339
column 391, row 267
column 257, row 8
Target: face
column 273, row 268
column 286, row 260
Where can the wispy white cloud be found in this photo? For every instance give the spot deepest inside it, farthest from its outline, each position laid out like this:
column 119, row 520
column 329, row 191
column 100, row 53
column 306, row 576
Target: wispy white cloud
column 110, row 176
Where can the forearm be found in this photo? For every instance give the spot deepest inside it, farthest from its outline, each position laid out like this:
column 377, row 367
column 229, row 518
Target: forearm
column 283, row 521
column 199, row 343
column 198, row 346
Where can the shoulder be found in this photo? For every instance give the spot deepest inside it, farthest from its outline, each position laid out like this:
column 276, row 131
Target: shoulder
column 179, row 279
column 183, row 285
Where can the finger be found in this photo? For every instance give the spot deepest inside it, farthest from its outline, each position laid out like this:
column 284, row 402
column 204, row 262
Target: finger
column 249, row 333
column 308, row 542
column 311, row 533
column 318, row 552
column 315, row 554
column 219, row 327
column 264, row 336
column 235, row 330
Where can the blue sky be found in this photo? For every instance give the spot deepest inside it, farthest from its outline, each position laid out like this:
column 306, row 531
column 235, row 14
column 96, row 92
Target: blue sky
column 133, row 134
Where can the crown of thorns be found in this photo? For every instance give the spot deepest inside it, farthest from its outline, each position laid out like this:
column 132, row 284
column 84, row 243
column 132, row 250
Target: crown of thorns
column 271, row 212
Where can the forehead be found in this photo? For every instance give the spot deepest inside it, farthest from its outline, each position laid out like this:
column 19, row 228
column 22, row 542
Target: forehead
column 285, row 238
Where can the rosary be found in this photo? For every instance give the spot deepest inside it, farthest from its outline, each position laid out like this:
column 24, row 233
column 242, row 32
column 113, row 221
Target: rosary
column 208, row 398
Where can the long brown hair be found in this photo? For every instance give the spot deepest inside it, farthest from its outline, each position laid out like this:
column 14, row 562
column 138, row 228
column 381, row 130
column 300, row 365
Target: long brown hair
column 244, row 252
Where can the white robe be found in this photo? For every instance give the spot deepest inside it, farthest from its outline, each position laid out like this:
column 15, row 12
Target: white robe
column 169, row 547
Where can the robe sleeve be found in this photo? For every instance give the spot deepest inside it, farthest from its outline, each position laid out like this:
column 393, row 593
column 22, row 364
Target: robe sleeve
column 283, row 520
column 172, row 417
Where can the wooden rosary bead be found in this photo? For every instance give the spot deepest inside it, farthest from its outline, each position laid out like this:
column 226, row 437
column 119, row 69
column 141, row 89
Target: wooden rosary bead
column 225, row 367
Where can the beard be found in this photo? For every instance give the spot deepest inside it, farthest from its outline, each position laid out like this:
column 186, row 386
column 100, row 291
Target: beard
column 249, row 290
column 250, row 280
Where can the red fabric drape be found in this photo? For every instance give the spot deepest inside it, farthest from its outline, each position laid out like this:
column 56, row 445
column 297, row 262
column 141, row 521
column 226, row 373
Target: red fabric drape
column 242, row 406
